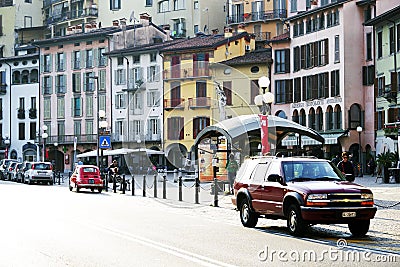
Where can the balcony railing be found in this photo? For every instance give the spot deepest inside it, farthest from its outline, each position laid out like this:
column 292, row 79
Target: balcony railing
column 199, row 102
column 153, row 137
column 174, row 103
column 75, row 14
column 187, row 73
column 69, row 139
column 257, row 16
column 262, row 36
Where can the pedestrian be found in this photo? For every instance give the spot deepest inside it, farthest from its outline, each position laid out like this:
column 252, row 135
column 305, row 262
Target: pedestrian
column 336, row 160
column 113, row 169
column 231, row 166
column 346, row 167
column 371, row 166
column 80, row 162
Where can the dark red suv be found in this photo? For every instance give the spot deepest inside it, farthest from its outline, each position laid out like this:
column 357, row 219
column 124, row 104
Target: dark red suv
column 302, row 190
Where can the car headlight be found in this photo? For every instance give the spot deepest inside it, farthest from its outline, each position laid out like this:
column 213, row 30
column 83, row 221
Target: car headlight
column 367, row 196
column 312, row 197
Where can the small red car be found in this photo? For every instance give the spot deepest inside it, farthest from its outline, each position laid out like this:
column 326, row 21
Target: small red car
column 86, row 176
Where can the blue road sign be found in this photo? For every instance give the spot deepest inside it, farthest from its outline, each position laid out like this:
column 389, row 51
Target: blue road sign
column 105, row 141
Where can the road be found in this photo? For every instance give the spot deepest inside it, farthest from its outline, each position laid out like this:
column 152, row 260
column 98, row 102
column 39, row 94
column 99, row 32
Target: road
column 51, row 226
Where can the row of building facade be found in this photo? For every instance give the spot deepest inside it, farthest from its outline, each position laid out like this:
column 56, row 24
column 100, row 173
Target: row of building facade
column 333, row 67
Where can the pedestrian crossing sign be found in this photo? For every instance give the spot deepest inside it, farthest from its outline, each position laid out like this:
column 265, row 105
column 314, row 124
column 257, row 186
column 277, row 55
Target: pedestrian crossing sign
column 105, row 141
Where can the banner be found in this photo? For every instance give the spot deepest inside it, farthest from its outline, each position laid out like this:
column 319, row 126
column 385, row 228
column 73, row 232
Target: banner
column 264, row 134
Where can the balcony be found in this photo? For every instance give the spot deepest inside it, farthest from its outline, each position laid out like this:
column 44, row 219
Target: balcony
column 187, row 73
column 21, row 114
column 32, row 113
column 262, row 36
column 3, row 89
column 258, row 16
column 175, row 103
column 69, row 139
column 391, row 131
column 153, row 137
column 71, row 15
column 199, row 102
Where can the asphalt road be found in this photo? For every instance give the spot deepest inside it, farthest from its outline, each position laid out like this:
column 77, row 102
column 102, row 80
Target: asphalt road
column 51, row 226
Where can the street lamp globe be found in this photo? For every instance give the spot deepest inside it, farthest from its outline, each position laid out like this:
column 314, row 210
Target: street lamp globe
column 102, row 114
column 258, row 100
column 45, row 135
column 359, row 129
column 263, row 82
column 44, row 127
column 268, row 97
column 103, row 124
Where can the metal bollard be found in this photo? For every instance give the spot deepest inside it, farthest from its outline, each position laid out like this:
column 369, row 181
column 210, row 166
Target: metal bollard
column 123, row 184
column 215, row 192
column 106, row 183
column 165, row 184
column 175, row 175
column 144, row 185
column 155, row 185
column 114, row 184
column 180, row 188
column 59, row 177
column 197, row 187
column 133, row 184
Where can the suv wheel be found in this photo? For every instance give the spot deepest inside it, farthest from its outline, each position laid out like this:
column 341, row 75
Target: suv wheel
column 359, row 228
column 248, row 217
column 295, row 222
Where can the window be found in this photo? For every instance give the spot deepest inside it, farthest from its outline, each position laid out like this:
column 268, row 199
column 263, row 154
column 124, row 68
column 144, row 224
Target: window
column 323, row 55
column 391, row 40
column 89, row 58
column 196, row 28
column 76, row 82
column 47, row 63
column 60, row 61
column 381, row 85
column 297, row 89
column 120, row 76
column 380, row 45
column 32, row 130
column 302, row 117
column 282, row 61
column 46, row 108
column 61, row 84
column 200, row 64
column 196, row 5
column 369, row 46
column 283, row 91
column 76, row 107
column 136, row 59
column 179, row 4
column 149, row 3
column 21, row 131
column 337, row 49
column 102, row 58
column 175, row 128
column 293, row 5
column 47, row 85
column 138, row 103
column 102, row 80
column 137, row 128
column 323, row 88
column 329, row 118
column 60, row 107
column 311, row 119
column 119, row 101
column 89, row 128
column 77, row 128
column 296, row 58
column 368, row 75
column 89, row 82
column 176, row 67
column 227, row 87
column 163, row 6
column 335, row 83
column 398, row 37
column 153, row 98
column 115, row 4
column 199, row 124
column 319, row 120
column 89, row 105
column 76, row 60
column 355, row 116
column 153, row 73
column 21, row 103
column 153, row 57
column 153, row 127
column 136, row 77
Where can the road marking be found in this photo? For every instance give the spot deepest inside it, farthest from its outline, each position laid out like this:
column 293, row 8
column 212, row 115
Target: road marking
column 196, row 258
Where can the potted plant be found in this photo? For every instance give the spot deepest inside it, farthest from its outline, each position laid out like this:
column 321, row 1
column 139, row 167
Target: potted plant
column 385, row 161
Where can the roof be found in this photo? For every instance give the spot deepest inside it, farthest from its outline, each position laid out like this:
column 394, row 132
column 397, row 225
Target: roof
column 146, row 47
column 21, row 57
column 204, row 42
column 240, row 126
column 388, row 15
column 257, row 56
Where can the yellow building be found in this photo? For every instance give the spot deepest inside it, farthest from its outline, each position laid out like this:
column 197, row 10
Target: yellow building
column 191, row 98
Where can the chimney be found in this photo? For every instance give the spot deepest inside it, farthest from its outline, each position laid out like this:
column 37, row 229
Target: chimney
column 78, row 28
column 227, row 32
column 145, row 19
column 88, row 27
column 241, row 28
column 70, row 30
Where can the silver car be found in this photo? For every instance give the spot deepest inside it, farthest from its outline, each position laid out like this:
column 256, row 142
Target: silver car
column 39, row 172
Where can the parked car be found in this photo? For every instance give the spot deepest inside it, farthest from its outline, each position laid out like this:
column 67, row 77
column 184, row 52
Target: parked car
column 10, row 170
column 21, row 171
column 86, row 176
column 39, row 172
column 4, row 164
column 303, row 191
column 15, row 170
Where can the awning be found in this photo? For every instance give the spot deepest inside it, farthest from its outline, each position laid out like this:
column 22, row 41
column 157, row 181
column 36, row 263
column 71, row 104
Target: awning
column 121, row 151
column 330, row 139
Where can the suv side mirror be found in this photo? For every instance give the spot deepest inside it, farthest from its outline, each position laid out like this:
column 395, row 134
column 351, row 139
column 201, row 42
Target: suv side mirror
column 275, row 178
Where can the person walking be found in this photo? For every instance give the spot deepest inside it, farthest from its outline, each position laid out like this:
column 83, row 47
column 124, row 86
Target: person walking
column 231, row 166
column 113, row 170
column 346, row 167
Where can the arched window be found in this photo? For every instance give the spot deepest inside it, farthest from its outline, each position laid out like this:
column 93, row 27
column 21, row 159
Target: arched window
column 329, row 118
column 281, row 114
column 295, row 116
column 337, row 118
column 319, row 120
column 355, row 116
column 25, row 77
column 311, row 119
column 16, row 79
column 33, row 77
column 302, row 117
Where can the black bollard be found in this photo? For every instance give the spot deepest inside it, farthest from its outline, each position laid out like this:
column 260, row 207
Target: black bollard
column 133, row 185
column 115, row 183
column 123, row 184
column 215, row 192
column 165, row 184
column 155, row 185
column 59, row 177
column 180, row 187
column 144, row 185
column 197, row 188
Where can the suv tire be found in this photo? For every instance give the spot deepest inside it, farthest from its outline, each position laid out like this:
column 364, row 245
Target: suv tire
column 295, row 223
column 248, row 217
column 359, row 228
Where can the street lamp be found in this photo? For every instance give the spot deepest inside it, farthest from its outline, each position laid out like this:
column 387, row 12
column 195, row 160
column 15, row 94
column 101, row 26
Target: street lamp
column 100, row 122
column 359, row 130
column 7, row 143
column 264, row 102
column 44, row 136
column 297, row 135
column 55, row 154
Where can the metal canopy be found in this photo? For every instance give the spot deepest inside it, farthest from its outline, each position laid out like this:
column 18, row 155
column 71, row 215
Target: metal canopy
column 238, row 126
column 120, row 151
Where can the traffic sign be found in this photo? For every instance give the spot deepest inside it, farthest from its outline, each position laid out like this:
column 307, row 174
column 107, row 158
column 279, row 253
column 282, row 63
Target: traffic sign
column 105, row 141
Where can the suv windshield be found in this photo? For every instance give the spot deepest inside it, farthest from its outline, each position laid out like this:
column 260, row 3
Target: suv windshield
column 310, row 170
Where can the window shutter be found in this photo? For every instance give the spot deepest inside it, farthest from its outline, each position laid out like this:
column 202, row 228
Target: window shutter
column 287, row 60
column 72, row 60
column 157, row 73
column 376, row 87
column 364, row 75
column 83, row 59
column 181, row 128
column 326, row 51
column 316, row 53
column 51, row 63
column 51, row 84
column 393, row 79
column 376, row 121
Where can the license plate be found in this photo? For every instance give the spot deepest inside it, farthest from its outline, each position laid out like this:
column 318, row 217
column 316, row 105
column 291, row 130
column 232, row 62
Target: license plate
column 91, row 181
column 348, row 214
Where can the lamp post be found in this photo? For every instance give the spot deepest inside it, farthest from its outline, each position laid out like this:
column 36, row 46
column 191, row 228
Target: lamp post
column 55, row 154
column 44, row 136
column 7, row 143
column 359, row 130
column 98, row 116
column 264, row 102
column 297, row 135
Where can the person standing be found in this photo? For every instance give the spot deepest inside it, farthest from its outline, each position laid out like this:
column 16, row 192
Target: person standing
column 231, row 166
column 346, row 167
